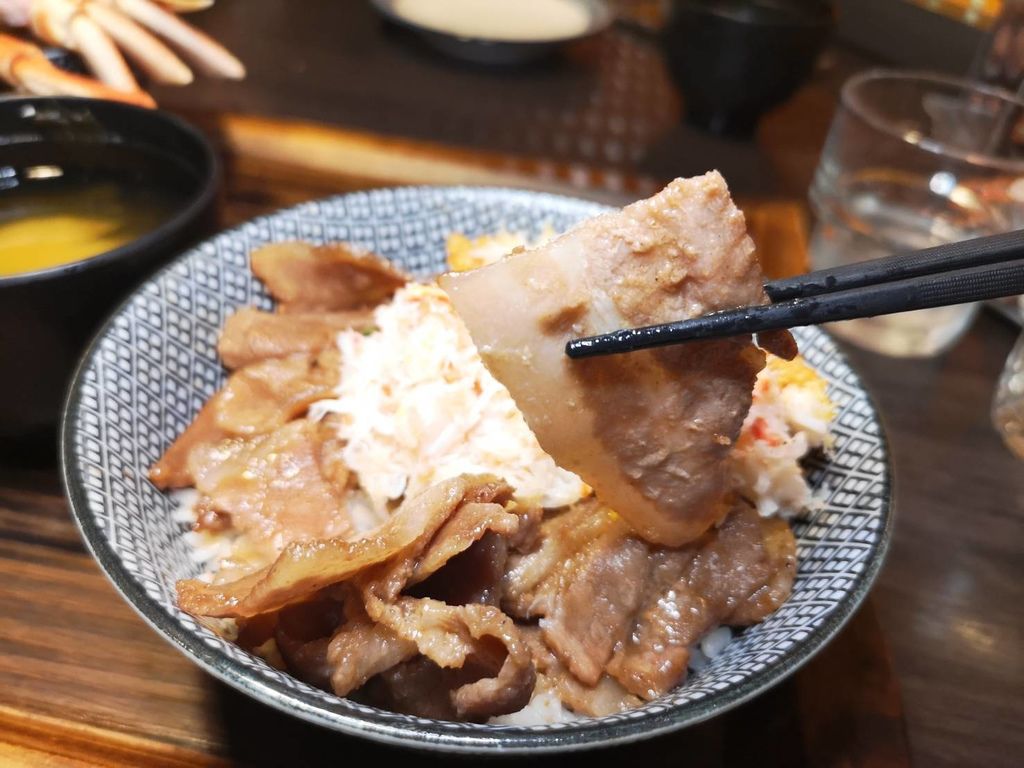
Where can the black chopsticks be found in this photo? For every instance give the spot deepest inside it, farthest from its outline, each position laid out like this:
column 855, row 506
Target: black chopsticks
column 957, row 273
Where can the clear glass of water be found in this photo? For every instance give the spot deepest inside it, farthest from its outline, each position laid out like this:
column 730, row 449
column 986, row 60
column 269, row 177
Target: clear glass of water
column 914, row 160
column 1008, row 405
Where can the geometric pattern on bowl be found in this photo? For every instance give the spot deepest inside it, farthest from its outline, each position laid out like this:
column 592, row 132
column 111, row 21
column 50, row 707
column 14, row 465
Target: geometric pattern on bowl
column 154, row 364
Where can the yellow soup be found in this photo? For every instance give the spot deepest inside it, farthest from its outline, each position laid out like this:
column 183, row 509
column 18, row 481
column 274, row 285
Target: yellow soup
column 47, row 228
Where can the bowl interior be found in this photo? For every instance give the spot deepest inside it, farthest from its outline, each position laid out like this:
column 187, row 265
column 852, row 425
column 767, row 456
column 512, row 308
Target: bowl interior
column 154, row 364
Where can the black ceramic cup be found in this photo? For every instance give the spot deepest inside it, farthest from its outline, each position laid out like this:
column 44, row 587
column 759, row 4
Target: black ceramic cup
column 47, row 316
column 735, row 59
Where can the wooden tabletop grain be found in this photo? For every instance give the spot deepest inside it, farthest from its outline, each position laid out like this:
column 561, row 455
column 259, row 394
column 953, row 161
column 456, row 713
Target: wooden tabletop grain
column 929, row 671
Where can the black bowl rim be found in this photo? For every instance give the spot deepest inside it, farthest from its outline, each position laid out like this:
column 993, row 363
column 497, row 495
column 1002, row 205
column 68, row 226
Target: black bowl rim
column 197, row 203
column 824, row 18
column 601, row 18
column 509, row 739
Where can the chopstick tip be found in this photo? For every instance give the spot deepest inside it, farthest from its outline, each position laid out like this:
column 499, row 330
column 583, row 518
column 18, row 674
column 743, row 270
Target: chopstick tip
column 577, row 348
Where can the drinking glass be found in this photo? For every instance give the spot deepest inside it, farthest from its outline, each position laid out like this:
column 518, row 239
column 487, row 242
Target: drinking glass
column 1008, row 405
column 914, row 160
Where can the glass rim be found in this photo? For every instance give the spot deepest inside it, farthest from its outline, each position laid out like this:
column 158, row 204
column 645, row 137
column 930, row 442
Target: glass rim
column 850, row 101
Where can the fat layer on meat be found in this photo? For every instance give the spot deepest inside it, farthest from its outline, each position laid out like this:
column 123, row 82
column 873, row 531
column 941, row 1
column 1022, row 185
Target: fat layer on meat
column 649, row 431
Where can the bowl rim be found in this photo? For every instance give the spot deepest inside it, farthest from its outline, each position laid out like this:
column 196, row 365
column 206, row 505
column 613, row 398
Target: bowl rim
column 601, row 17
column 822, row 16
column 196, row 203
column 487, row 740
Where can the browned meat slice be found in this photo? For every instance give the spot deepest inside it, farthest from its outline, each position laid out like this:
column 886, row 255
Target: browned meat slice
column 605, row 698
column 472, row 637
column 735, row 562
column 306, row 567
column 673, row 617
column 508, row 691
column 780, row 551
column 264, row 396
column 324, row 278
column 420, row 687
column 251, row 335
column 496, row 673
column 417, row 687
column 472, row 576
column 360, row 650
column 531, row 581
column 586, row 581
column 302, row 633
column 599, row 593
column 171, row 470
column 272, row 485
column 649, row 431
column 470, row 675
column 257, row 399
column 454, row 636
column 611, row 605
column 474, row 521
column 738, row 573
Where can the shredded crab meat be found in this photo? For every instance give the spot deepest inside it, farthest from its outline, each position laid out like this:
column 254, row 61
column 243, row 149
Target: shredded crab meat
column 789, row 417
column 417, row 406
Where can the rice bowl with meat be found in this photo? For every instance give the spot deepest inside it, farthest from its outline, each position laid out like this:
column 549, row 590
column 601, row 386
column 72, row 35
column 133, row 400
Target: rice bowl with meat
column 448, row 512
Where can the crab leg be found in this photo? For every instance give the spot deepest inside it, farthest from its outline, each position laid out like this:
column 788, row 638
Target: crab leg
column 159, row 61
column 209, row 55
column 25, row 67
column 186, row 6
column 63, row 22
column 99, row 30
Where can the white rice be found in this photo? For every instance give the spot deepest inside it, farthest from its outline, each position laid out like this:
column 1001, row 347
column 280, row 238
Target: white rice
column 544, row 708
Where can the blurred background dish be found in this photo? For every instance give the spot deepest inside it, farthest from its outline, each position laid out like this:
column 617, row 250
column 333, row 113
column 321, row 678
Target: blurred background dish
column 503, row 32
column 733, row 60
column 93, row 196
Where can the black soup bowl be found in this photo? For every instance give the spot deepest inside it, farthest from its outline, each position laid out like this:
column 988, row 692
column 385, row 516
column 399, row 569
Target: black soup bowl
column 48, row 315
column 733, row 60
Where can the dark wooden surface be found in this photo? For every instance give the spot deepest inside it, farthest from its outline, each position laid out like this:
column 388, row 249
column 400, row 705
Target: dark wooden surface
column 605, row 106
column 949, row 597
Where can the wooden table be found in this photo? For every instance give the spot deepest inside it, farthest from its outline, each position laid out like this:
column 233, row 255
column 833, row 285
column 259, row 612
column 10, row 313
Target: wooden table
column 936, row 652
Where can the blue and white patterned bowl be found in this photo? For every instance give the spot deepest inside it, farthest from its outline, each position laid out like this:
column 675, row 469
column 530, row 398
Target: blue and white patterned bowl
column 154, row 364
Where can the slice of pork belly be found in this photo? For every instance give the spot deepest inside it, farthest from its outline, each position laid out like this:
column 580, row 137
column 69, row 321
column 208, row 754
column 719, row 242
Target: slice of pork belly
column 650, row 430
